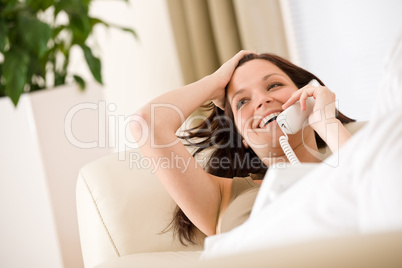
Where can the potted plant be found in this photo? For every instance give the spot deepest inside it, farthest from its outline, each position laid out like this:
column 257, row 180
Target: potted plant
column 36, row 38
column 40, row 163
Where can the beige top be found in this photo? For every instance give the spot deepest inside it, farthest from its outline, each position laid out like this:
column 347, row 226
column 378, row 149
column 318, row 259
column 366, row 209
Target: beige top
column 244, row 193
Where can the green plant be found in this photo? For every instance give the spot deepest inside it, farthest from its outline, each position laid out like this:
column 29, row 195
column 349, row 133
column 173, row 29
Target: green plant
column 36, row 37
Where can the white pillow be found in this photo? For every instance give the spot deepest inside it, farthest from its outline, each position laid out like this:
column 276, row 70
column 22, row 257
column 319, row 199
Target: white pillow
column 389, row 93
column 362, row 194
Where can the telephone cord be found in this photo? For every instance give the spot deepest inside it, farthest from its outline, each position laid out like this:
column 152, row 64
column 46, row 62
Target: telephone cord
column 290, row 154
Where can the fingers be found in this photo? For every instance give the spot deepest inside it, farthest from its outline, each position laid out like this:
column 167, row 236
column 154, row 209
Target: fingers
column 303, row 99
column 241, row 54
column 294, row 98
column 223, row 75
column 302, row 95
column 231, row 64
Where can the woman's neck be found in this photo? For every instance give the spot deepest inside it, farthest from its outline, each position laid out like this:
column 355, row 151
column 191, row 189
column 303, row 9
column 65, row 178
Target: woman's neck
column 303, row 149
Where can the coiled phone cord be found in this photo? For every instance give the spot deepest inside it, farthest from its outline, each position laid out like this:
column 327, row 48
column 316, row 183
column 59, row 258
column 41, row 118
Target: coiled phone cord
column 290, row 154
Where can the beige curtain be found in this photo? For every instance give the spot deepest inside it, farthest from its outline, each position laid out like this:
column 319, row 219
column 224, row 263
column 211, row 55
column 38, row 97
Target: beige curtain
column 209, row 32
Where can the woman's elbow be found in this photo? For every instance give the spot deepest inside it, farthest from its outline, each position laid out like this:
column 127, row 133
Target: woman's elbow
column 139, row 126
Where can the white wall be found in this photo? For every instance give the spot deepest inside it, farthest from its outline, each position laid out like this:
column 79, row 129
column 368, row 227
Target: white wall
column 345, row 44
column 27, row 225
column 40, row 157
column 135, row 71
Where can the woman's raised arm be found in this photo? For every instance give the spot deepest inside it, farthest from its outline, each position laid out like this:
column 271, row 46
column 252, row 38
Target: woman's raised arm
column 154, row 126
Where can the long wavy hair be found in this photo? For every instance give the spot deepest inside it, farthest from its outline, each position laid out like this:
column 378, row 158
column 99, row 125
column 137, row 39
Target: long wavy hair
column 229, row 158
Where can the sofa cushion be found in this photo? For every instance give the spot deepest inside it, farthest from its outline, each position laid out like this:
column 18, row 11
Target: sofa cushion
column 373, row 250
column 123, row 209
column 153, row 259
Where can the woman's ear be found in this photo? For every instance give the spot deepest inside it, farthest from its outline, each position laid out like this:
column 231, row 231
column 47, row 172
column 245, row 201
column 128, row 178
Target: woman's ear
column 245, row 144
column 219, row 104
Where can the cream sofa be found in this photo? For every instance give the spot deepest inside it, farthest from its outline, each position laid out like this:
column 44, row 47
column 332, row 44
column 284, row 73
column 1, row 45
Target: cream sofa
column 123, row 209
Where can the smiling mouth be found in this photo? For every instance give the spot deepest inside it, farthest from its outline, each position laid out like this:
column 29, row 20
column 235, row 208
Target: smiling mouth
column 268, row 119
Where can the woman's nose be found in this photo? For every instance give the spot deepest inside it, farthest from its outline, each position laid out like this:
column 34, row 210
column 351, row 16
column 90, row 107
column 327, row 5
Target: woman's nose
column 263, row 101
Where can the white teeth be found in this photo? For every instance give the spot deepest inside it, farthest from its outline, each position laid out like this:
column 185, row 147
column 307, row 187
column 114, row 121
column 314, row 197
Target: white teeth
column 267, row 118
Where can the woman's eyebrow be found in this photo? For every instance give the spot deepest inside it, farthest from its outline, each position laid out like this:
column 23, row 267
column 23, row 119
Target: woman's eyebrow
column 269, row 75
column 266, row 77
column 263, row 79
column 237, row 92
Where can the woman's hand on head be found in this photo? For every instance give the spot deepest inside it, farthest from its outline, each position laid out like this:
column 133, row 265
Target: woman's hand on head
column 224, row 74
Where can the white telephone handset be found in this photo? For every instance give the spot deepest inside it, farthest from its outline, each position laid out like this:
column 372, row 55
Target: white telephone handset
column 291, row 121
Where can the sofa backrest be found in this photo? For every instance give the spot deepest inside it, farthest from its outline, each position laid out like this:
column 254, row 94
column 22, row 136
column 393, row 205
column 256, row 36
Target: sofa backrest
column 123, row 209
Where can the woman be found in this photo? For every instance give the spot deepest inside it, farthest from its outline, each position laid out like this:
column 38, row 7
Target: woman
column 250, row 90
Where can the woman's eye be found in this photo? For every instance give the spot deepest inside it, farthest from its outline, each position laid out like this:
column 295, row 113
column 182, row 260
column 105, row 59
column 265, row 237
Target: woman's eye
column 274, row 85
column 240, row 103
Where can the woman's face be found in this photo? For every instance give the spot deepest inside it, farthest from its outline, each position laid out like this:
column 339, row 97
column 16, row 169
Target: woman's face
column 256, row 93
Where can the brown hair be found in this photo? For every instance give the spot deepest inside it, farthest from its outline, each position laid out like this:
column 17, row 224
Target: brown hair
column 229, row 157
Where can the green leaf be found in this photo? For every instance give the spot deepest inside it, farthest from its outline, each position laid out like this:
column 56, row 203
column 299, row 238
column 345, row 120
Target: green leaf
column 40, row 4
column 57, row 30
column 80, row 27
column 15, row 69
column 93, row 62
column 11, row 8
column 3, row 35
column 2, row 89
column 94, row 21
column 130, row 31
column 80, row 82
column 59, row 78
column 35, row 69
column 34, row 33
column 78, row 7
column 125, row 29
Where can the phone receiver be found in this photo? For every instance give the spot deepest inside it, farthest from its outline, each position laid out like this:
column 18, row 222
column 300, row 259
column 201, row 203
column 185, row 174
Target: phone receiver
column 292, row 119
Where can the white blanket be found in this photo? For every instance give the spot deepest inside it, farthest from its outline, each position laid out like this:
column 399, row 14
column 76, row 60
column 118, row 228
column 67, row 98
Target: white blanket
column 362, row 194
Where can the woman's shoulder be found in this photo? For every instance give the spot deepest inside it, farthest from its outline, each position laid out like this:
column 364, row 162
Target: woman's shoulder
column 232, row 187
column 242, row 184
column 252, row 179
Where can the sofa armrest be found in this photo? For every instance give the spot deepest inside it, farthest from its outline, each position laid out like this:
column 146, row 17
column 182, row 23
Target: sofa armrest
column 122, row 209
column 368, row 251
column 359, row 250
